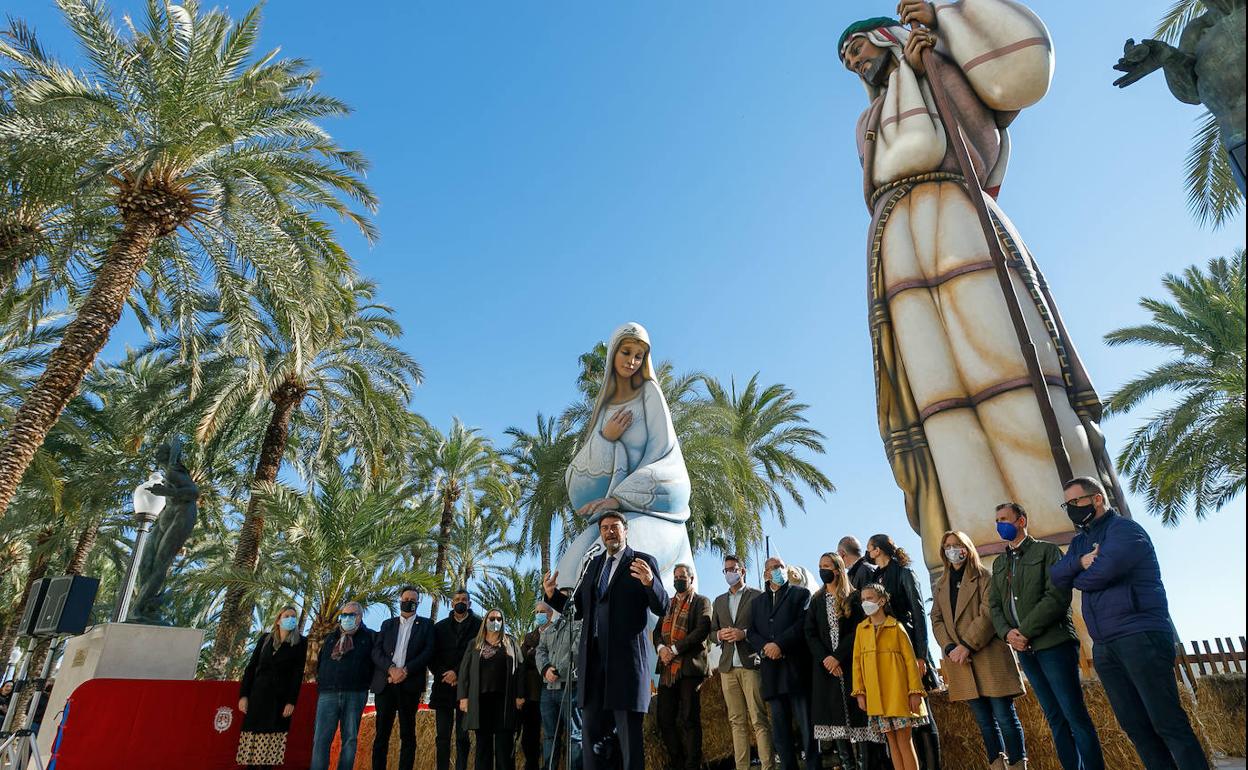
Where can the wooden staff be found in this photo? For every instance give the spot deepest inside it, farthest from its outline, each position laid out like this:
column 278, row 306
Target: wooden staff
column 953, row 131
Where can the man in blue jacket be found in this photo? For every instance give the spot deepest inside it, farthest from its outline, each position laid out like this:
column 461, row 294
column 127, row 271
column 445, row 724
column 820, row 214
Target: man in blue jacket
column 401, row 656
column 619, row 592
column 343, row 674
column 1113, row 563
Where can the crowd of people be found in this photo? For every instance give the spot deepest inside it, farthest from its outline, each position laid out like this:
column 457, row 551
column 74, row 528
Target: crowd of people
column 843, row 672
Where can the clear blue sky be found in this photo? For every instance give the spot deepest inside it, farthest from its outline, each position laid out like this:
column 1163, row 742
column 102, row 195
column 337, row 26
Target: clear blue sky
column 549, row 170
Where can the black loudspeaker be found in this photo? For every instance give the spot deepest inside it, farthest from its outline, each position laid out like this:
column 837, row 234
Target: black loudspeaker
column 34, row 603
column 66, row 605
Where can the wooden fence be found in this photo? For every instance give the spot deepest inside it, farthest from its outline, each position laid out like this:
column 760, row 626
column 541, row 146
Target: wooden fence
column 1226, row 660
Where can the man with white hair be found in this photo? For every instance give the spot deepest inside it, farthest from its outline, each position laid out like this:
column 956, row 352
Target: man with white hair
column 343, row 675
column 680, row 639
column 958, row 413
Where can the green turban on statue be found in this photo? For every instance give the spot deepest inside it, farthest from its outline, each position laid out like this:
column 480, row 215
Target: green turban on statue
column 866, row 25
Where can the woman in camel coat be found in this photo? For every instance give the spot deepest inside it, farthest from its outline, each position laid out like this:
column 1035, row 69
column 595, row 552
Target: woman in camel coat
column 978, row 667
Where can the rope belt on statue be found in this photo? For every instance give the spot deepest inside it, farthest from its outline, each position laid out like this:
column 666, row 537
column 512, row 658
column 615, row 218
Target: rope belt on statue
column 931, row 176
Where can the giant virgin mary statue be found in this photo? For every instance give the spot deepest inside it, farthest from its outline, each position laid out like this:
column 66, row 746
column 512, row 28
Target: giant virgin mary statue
column 629, row 461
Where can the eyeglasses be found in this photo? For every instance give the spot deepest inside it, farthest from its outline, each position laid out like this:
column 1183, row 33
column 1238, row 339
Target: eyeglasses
column 1066, row 505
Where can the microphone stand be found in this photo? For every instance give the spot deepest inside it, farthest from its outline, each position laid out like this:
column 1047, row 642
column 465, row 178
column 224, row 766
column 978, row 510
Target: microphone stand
column 565, row 706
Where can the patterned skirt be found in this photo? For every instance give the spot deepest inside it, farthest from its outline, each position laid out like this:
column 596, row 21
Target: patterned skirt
column 844, row 733
column 889, row 724
column 256, row 748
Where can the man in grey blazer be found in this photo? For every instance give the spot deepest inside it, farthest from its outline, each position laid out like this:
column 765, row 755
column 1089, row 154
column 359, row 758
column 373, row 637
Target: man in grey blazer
column 738, row 668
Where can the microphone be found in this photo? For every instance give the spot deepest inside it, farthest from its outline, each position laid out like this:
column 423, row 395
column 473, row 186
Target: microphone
column 593, row 551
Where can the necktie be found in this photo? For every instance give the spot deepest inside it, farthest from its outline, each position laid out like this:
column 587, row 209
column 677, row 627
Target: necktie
column 605, row 578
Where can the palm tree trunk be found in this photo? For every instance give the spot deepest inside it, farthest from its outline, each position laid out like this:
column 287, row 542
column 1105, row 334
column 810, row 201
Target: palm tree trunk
column 86, row 541
column 444, row 547
column 321, row 627
column 236, row 609
column 37, row 570
column 83, row 339
column 543, row 546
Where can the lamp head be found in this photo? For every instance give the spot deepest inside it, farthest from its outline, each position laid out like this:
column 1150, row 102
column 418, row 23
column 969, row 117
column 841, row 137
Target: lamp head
column 148, row 504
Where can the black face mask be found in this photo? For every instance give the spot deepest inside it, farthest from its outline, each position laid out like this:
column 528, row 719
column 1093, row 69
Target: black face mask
column 829, row 576
column 461, row 608
column 680, row 585
column 1081, row 515
column 407, row 606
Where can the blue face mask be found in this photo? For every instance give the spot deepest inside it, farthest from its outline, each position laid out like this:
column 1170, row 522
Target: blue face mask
column 540, row 619
column 777, row 577
column 288, row 623
column 348, row 622
column 1007, row 531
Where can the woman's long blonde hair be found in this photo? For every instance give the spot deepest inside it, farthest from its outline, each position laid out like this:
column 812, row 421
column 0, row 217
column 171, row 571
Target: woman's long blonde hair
column 972, row 555
column 276, row 631
column 840, row 599
column 482, row 631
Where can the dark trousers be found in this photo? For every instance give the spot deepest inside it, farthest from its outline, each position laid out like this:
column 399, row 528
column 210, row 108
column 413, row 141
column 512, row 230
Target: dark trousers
column 999, row 727
column 531, row 733
column 680, row 723
column 1054, row 677
column 450, row 722
column 391, row 702
column 496, row 744
column 785, row 711
column 1138, row 674
column 597, row 724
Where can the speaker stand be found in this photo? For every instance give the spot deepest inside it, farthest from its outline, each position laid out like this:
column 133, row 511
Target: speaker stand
column 21, row 746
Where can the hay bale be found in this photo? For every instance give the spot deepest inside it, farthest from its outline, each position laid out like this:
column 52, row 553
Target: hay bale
column 1220, row 707
column 962, row 746
column 426, row 734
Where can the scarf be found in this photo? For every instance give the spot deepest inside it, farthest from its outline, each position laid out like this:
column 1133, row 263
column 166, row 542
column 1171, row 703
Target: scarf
column 344, row 645
column 675, row 628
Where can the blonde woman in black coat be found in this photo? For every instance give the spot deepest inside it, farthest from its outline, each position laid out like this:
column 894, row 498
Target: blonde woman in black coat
column 491, row 693
column 831, row 621
column 269, row 691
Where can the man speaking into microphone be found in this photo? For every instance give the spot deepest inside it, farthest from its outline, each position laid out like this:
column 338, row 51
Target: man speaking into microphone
column 614, row 660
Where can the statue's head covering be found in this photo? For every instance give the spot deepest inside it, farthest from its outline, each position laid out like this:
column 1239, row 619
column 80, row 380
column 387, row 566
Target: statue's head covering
column 861, row 28
column 629, row 331
column 882, row 31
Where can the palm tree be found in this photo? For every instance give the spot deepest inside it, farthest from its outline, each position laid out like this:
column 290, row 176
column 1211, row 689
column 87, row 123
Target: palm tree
column 771, row 424
column 354, row 382
column 1212, row 194
column 514, row 592
column 343, row 540
column 481, row 539
column 461, row 464
column 540, row 460
column 203, row 159
column 1192, row 453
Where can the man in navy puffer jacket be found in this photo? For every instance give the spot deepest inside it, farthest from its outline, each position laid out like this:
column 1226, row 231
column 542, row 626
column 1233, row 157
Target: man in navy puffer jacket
column 1112, row 562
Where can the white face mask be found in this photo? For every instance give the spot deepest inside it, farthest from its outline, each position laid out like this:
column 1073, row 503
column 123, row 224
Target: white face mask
column 955, row 555
column 732, row 578
column 870, row 608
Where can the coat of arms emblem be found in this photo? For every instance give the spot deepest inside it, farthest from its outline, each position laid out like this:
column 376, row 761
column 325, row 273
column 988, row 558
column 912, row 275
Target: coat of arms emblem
column 224, row 718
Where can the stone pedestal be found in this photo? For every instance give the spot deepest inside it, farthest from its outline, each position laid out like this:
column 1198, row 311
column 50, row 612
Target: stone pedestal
column 119, row 651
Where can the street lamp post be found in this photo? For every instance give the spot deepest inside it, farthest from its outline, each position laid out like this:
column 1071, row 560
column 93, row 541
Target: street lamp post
column 147, row 506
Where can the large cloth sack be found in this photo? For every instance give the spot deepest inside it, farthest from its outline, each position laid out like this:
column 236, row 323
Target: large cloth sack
column 1002, row 46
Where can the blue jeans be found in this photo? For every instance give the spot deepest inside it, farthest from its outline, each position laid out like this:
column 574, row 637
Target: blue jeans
column 1054, row 677
column 999, row 725
column 334, row 709
column 557, row 726
column 1138, row 674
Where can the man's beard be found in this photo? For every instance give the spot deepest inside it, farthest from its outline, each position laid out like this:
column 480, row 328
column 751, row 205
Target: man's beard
column 613, row 548
column 877, row 74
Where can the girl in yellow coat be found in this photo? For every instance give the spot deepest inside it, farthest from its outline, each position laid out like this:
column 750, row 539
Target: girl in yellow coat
column 886, row 678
